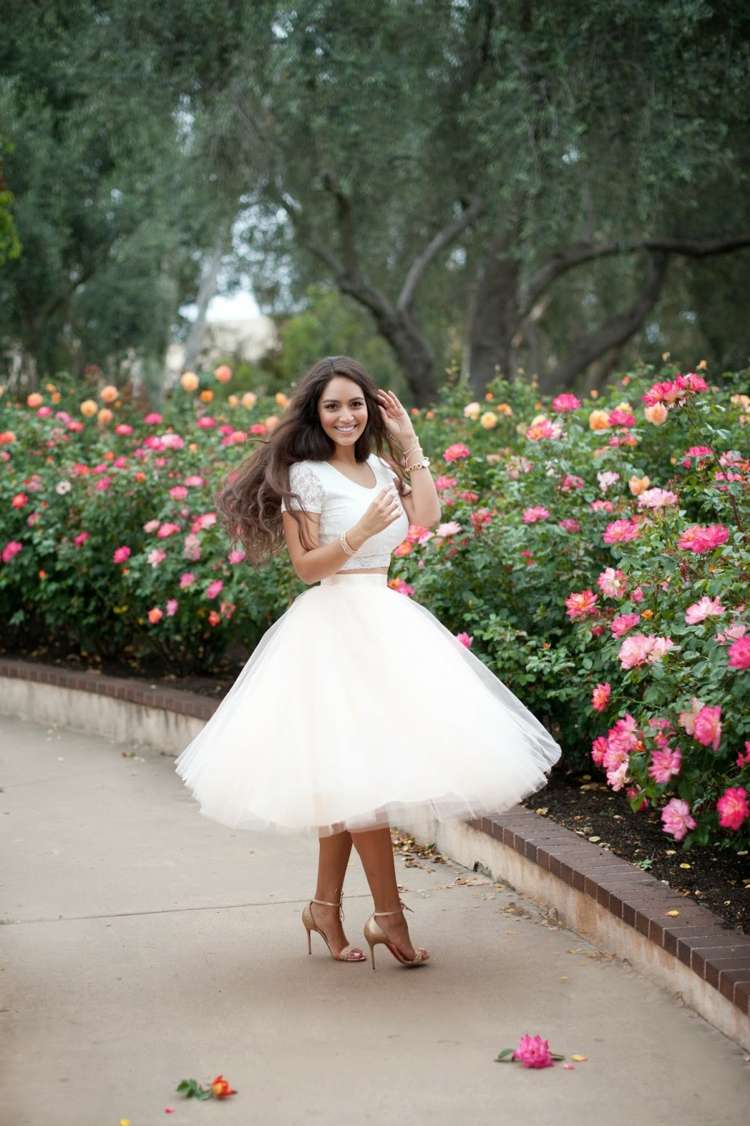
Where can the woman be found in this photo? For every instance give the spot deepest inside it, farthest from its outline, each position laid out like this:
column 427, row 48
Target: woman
column 357, row 704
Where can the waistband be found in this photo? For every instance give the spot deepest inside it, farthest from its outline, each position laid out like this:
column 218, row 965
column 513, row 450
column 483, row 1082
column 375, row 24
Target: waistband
column 377, row 578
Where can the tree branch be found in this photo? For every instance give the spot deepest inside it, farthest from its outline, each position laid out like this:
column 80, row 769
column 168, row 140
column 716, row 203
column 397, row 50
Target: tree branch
column 617, row 329
column 577, row 253
column 442, row 239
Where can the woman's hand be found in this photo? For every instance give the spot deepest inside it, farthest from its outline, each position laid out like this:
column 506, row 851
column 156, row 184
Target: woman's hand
column 382, row 511
column 397, row 421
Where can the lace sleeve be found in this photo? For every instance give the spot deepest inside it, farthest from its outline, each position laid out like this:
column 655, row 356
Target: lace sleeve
column 304, row 481
column 405, row 488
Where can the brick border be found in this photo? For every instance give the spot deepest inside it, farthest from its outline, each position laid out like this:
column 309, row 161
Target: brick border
column 719, row 955
column 116, row 687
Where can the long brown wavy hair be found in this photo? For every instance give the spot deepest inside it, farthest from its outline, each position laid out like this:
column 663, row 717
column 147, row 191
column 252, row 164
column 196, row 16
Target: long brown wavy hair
column 248, row 501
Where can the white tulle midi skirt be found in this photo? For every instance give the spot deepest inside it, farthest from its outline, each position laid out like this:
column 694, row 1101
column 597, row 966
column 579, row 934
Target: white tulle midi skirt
column 357, row 706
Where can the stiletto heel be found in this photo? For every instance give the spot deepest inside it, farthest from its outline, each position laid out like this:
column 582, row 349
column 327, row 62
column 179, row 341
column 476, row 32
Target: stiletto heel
column 374, row 934
column 309, row 924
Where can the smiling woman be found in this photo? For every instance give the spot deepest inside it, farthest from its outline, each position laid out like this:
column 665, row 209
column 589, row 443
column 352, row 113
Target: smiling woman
column 384, row 711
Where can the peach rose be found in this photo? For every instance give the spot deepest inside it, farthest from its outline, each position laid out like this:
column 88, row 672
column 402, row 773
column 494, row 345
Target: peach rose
column 189, row 381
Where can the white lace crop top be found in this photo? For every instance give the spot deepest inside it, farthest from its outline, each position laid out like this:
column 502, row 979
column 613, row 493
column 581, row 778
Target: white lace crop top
column 341, row 502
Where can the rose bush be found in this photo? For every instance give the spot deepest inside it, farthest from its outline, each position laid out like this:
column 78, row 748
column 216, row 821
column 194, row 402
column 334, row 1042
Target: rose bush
column 600, row 562
column 595, row 553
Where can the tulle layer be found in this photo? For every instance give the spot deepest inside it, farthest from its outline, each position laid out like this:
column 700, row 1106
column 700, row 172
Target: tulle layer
column 358, row 705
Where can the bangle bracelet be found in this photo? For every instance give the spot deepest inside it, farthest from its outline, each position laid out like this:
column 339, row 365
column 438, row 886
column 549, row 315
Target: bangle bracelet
column 345, row 545
column 413, row 451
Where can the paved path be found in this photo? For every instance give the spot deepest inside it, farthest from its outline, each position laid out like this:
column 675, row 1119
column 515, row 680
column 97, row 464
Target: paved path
column 143, row 944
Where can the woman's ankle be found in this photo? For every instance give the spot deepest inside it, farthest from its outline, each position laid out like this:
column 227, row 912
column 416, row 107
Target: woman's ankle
column 334, row 897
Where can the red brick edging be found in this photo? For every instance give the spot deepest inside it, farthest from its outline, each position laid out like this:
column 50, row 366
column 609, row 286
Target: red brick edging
column 719, row 955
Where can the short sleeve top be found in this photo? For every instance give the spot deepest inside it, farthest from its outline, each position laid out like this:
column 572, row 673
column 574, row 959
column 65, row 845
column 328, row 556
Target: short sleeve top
column 341, row 502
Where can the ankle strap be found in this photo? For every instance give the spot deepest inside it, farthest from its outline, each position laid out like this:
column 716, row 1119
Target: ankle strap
column 326, row 903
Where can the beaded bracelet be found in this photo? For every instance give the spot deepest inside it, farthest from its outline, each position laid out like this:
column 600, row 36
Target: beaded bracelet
column 423, row 463
column 345, row 545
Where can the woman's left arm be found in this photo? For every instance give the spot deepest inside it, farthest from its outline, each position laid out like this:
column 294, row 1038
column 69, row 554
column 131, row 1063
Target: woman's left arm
column 422, row 504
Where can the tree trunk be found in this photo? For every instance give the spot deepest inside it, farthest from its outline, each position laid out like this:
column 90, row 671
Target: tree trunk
column 412, row 351
column 494, row 317
column 206, row 291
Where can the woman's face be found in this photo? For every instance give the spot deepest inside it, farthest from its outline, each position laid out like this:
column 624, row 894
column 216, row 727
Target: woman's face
column 342, row 410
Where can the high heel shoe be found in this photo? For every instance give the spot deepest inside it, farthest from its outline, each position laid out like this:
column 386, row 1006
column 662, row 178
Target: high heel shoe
column 311, row 925
column 374, row 933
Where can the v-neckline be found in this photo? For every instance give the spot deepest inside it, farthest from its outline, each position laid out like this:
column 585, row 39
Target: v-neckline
column 368, row 488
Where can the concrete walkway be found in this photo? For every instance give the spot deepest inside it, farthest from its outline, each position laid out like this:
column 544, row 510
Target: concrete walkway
column 144, row 944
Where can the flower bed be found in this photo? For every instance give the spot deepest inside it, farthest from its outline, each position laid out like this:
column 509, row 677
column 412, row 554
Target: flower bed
column 594, row 554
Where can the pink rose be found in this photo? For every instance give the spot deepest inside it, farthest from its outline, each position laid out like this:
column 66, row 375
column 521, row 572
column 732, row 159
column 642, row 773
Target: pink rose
column 167, row 529
column 192, row 548
column 600, row 697
column 704, row 608
column 11, row 549
column 532, row 1051
column 533, row 515
column 664, row 765
column 676, row 818
column 624, row 734
column 639, row 649
column 121, row 554
column 452, row 528
column 581, row 604
column 622, row 623
column 739, row 654
column 612, row 582
column 733, row 807
column 707, row 727
column 621, row 531
column 455, row 452
column 599, row 749
column 657, row 498
column 700, row 538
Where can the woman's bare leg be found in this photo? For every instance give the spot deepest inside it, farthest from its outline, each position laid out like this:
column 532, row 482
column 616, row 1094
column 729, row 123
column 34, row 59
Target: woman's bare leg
column 332, row 864
column 376, row 853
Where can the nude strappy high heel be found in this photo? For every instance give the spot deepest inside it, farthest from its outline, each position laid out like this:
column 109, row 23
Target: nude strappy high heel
column 311, row 925
column 374, row 933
